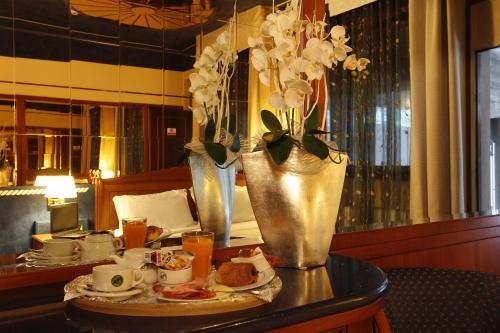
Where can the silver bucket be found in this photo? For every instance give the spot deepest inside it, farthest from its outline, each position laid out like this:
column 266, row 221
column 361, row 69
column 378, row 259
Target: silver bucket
column 295, row 208
column 214, row 196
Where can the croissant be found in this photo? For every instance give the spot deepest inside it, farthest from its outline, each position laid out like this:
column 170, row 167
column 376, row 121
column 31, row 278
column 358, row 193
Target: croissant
column 153, row 233
column 236, row 274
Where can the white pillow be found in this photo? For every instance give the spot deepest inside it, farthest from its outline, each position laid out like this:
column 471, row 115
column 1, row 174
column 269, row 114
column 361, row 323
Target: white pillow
column 169, row 210
column 242, row 210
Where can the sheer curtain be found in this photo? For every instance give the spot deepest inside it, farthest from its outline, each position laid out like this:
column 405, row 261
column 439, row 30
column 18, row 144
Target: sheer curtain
column 371, row 119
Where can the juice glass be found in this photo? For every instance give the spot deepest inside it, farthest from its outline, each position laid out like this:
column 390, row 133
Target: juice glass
column 134, row 232
column 201, row 244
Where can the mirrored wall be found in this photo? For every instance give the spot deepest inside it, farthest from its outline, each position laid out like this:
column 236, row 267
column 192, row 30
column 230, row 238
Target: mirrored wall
column 100, row 88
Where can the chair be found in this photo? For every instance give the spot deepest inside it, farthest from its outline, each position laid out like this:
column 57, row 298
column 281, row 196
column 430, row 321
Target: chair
column 442, row 300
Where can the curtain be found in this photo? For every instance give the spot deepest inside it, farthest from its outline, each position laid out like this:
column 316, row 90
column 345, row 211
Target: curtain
column 437, row 54
column 370, row 119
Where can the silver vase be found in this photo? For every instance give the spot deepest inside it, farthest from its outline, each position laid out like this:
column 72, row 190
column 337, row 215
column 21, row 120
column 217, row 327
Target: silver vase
column 295, row 204
column 5, row 175
column 214, row 196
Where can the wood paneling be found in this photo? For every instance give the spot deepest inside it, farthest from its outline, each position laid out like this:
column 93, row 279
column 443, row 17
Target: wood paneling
column 354, row 321
column 471, row 244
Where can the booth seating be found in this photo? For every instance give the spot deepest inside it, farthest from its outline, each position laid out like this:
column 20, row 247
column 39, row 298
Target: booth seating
column 443, row 300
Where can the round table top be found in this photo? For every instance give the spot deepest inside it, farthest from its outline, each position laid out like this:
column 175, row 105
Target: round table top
column 343, row 284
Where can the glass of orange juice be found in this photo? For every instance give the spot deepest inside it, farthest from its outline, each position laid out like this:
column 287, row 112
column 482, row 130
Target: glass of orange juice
column 134, row 231
column 201, row 244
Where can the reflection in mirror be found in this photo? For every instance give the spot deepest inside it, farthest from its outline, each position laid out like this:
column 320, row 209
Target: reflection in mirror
column 7, row 126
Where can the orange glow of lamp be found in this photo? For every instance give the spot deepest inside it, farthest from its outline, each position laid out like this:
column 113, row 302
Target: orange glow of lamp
column 63, row 212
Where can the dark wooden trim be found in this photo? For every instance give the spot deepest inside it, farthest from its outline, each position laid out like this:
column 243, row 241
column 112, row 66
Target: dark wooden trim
column 467, row 244
column 39, row 277
column 339, row 321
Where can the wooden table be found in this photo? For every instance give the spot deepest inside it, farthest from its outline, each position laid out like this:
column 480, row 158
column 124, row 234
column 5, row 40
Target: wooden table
column 346, row 294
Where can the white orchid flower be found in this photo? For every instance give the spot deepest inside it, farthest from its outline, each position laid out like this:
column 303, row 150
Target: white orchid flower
column 268, row 28
column 339, row 54
column 351, row 63
column 296, row 92
column 282, row 51
column 337, row 32
column 197, row 81
column 314, row 71
column 312, row 50
column 362, row 63
column 200, row 114
column 206, row 95
column 210, row 75
column 223, row 39
column 265, row 77
column 285, row 22
column 277, row 101
column 259, row 59
column 204, row 61
column 255, row 42
column 327, row 53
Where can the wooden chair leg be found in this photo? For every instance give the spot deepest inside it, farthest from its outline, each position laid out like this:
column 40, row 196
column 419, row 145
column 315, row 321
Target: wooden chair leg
column 382, row 322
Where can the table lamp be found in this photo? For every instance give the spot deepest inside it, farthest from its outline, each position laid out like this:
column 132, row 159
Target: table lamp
column 58, row 189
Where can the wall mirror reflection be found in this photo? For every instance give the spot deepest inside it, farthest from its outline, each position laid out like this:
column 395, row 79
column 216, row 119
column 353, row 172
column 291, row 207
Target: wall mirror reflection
column 101, row 92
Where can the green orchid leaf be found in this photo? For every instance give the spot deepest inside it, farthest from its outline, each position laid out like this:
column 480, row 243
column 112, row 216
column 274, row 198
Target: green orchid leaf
column 316, row 131
column 216, row 151
column 210, row 130
column 274, row 136
column 312, row 123
column 236, row 145
column 280, row 150
column 270, row 121
column 315, row 146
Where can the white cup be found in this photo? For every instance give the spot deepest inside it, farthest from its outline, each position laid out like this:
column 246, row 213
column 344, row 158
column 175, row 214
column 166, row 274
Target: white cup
column 115, row 277
column 167, row 276
column 59, row 247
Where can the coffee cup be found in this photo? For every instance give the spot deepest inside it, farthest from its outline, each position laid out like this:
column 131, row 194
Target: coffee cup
column 59, row 247
column 109, row 278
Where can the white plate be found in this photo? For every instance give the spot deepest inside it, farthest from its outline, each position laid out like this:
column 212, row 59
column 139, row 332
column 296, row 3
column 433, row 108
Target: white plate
column 264, row 278
column 115, row 294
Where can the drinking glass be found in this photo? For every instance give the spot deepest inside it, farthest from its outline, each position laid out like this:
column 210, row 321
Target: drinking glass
column 201, row 244
column 134, row 231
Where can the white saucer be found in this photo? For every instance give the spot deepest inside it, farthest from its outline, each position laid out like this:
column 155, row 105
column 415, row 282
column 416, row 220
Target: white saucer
column 40, row 256
column 115, row 295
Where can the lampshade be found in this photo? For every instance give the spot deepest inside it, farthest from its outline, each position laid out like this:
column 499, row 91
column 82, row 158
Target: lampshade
column 57, row 186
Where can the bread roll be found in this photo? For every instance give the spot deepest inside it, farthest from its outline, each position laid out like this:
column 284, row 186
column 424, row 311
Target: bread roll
column 236, row 274
column 153, row 233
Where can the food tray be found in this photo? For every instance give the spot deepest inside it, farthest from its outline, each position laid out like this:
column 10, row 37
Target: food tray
column 168, row 309
column 148, row 305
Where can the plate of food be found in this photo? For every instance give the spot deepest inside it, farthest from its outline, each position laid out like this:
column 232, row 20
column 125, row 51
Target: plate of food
column 194, row 291
column 242, row 276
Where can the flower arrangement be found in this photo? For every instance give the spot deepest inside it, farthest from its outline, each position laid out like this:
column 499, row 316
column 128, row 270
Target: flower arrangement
column 292, row 70
column 210, row 88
